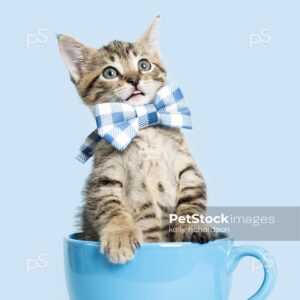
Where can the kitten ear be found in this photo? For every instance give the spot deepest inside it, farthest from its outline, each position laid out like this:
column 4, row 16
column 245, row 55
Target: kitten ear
column 74, row 55
column 149, row 40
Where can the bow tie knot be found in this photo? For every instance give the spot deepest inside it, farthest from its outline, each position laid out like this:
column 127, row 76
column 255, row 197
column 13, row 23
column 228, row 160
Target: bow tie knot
column 119, row 123
column 147, row 115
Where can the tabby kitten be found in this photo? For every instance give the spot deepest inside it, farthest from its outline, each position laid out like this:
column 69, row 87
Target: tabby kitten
column 129, row 195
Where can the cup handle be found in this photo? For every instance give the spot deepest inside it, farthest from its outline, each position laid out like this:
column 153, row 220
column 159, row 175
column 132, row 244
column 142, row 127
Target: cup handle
column 267, row 261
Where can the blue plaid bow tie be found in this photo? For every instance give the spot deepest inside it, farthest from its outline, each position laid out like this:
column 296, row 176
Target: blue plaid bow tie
column 119, row 123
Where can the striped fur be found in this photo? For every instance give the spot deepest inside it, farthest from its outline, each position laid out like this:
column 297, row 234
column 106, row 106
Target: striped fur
column 129, row 195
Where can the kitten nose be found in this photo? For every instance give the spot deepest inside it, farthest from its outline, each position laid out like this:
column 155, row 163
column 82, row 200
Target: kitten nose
column 134, row 80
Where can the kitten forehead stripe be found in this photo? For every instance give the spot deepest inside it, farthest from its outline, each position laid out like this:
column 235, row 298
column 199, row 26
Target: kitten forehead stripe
column 121, row 49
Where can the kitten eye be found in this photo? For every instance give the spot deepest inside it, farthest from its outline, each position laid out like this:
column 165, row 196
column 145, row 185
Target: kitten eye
column 110, row 73
column 144, row 65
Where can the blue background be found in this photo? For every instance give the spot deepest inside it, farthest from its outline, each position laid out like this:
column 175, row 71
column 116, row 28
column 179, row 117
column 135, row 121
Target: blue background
column 245, row 103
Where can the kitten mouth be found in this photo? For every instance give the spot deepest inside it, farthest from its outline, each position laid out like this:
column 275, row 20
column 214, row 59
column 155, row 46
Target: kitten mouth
column 135, row 93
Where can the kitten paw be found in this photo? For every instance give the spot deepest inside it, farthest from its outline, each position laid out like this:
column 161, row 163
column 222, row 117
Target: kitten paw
column 120, row 246
column 202, row 237
column 196, row 234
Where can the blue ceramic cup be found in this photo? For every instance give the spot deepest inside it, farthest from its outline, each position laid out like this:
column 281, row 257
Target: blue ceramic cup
column 161, row 271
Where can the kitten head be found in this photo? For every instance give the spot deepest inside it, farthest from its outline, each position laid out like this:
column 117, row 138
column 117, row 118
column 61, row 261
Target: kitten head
column 118, row 72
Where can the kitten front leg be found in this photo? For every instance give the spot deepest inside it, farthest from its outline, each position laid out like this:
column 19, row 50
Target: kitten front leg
column 118, row 234
column 119, row 237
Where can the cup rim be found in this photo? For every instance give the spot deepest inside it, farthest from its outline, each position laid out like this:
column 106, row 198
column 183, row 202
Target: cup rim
column 71, row 239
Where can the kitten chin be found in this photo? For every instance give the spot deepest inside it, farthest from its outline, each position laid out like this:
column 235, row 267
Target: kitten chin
column 140, row 100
